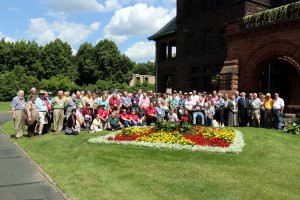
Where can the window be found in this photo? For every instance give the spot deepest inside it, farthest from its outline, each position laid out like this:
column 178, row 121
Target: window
column 223, row 2
column 207, row 4
column 138, row 79
column 207, row 37
column 169, row 81
column 163, row 50
column 146, row 79
column 195, row 69
column 173, row 51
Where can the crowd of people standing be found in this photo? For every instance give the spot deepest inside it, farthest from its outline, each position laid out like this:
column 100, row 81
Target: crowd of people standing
column 42, row 112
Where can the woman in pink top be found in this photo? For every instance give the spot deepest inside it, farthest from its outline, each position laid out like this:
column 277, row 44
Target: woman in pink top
column 144, row 101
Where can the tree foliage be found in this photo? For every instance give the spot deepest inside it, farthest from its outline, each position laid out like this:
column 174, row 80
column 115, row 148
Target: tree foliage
column 25, row 64
column 144, row 68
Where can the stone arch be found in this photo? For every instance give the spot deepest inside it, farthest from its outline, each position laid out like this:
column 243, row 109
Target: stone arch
column 267, row 52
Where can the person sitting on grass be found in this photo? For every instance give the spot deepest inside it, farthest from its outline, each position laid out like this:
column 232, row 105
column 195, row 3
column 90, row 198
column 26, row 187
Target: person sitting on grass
column 173, row 116
column 87, row 114
column 72, row 128
column 113, row 122
column 103, row 114
column 125, row 119
column 96, row 125
column 135, row 121
column 151, row 116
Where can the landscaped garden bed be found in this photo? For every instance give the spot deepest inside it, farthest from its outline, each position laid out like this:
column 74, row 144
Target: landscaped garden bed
column 177, row 136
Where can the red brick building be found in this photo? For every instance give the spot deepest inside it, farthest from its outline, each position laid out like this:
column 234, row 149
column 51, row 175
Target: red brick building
column 253, row 45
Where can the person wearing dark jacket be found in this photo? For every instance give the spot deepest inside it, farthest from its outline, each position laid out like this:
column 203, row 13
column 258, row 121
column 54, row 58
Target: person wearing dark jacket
column 243, row 109
column 72, row 128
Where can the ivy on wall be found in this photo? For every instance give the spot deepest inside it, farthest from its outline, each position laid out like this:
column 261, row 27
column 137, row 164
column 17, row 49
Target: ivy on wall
column 282, row 13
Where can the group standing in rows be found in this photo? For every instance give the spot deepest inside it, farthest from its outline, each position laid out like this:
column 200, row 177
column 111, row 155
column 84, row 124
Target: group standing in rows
column 94, row 112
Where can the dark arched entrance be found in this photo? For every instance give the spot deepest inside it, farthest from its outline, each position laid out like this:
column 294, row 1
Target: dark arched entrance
column 279, row 74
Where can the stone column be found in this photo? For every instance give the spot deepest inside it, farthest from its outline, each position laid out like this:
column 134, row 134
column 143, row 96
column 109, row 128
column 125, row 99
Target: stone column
column 229, row 77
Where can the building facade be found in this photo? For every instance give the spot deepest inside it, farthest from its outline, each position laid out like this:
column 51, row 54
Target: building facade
column 137, row 78
column 210, row 37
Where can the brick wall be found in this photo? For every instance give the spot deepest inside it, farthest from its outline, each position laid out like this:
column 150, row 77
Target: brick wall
column 254, row 49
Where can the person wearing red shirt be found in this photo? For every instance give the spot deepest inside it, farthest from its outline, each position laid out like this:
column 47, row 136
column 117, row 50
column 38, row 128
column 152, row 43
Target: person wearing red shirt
column 134, row 117
column 186, row 117
column 114, row 103
column 103, row 115
column 124, row 118
column 150, row 114
column 87, row 115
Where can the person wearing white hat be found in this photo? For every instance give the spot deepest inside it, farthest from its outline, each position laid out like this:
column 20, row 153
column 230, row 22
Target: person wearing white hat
column 42, row 108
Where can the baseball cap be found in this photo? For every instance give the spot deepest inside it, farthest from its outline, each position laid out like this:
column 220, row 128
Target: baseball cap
column 268, row 95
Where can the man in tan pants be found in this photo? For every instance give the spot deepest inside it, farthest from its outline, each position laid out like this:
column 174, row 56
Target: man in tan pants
column 58, row 111
column 18, row 113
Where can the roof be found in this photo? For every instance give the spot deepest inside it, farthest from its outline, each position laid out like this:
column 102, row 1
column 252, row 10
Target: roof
column 168, row 29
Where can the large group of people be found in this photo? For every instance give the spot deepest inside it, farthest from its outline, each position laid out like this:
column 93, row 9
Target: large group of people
column 73, row 112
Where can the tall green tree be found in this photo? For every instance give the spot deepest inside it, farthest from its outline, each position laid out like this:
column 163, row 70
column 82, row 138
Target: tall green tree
column 57, row 60
column 112, row 66
column 86, row 65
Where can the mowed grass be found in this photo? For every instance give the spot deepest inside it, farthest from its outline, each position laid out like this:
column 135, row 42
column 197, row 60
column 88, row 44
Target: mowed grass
column 268, row 168
column 5, row 106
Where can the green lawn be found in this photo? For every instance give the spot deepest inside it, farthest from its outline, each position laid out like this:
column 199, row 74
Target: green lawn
column 5, row 106
column 268, row 168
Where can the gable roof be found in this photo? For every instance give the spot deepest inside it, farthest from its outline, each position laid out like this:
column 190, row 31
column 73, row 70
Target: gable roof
column 168, row 29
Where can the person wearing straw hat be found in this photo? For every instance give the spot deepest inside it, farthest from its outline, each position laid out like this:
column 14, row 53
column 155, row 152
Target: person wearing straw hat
column 43, row 111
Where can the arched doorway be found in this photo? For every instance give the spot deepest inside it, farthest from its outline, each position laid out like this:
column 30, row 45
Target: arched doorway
column 279, row 74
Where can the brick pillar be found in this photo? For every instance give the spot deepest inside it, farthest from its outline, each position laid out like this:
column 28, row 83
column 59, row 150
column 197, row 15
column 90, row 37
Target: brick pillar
column 229, row 77
column 169, row 50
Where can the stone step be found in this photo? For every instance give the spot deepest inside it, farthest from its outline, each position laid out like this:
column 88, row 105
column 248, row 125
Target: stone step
column 290, row 115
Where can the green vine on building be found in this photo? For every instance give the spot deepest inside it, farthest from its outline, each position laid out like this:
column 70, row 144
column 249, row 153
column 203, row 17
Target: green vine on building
column 282, row 13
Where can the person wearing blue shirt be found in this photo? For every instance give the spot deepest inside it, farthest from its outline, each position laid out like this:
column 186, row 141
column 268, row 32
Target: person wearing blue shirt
column 18, row 111
column 160, row 111
column 126, row 102
column 43, row 111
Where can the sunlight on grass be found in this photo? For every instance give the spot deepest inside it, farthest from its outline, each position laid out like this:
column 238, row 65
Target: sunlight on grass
column 268, row 168
column 5, row 106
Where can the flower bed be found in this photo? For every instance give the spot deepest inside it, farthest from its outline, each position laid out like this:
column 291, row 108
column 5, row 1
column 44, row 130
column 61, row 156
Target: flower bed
column 197, row 138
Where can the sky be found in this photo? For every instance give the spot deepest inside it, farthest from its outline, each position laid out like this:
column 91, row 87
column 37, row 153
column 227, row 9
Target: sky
column 126, row 22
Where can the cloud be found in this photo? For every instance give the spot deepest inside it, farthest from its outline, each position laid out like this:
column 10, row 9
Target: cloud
column 81, row 6
column 14, row 9
column 73, row 33
column 139, row 19
column 141, row 51
column 6, row 38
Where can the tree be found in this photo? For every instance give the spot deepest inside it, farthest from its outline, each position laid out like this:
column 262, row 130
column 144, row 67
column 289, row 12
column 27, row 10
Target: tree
column 144, row 68
column 57, row 60
column 86, row 65
column 59, row 82
column 112, row 66
column 13, row 81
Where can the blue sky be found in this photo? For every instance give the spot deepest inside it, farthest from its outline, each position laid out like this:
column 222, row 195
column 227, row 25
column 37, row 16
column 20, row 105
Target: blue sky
column 126, row 22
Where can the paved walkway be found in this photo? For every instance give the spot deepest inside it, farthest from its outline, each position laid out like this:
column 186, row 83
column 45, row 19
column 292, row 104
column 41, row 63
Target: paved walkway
column 19, row 178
